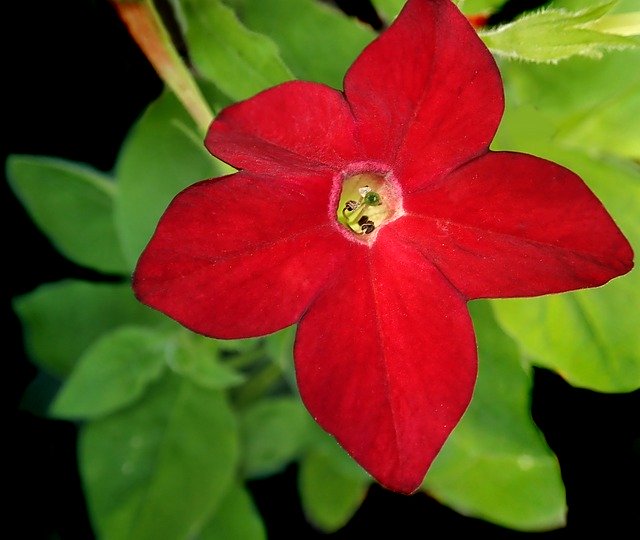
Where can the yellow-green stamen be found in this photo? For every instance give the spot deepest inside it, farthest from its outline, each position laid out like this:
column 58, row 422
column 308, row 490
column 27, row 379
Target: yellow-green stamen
column 364, row 203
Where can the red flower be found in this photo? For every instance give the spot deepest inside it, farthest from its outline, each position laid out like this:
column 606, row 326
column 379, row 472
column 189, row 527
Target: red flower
column 370, row 217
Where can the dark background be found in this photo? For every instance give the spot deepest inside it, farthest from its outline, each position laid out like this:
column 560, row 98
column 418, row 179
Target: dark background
column 73, row 83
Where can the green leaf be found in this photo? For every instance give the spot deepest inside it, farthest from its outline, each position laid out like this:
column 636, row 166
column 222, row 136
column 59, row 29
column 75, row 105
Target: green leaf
column 293, row 25
column 577, row 98
column 329, row 494
column 555, row 34
column 607, row 127
column 589, row 337
column 236, row 517
column 60, row 320
column 198, row 358
column 240, row 62
column 161, row 156
column 279, row 349
column 160, row 468
column 496, row 465
column 472, row 7
column 274, row 432
column 73, row 205
column 388, row 9
column 114, row 372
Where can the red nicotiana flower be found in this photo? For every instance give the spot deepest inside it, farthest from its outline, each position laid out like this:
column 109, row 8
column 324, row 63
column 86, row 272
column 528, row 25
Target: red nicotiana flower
column 370, row 217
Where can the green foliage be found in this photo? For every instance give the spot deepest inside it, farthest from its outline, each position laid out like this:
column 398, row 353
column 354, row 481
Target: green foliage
column 235, row 517
column 590, row 337
column 496, row 465
column 583, row 109
column 73, row 205
column 198, row 358
column 471, row 7
column 162, row 454
column 112, row 373
column 279, row 349
column 388, row 9
column 555, row 34
column 161, row 156
column 274, row 432
column 240, row 62
column 330, row 494
column 160, row 468
column 293, row 25
column 60, row 320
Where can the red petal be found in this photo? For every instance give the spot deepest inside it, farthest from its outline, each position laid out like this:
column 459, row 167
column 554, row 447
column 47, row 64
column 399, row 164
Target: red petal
column 296, row 125
column 386, row 361
column 241, row 256
column 427, row 94
column 511, row 224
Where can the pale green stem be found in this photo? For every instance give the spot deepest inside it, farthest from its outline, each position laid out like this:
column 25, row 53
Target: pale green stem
column 243, row 360
column 258, row 384
column 146, row 27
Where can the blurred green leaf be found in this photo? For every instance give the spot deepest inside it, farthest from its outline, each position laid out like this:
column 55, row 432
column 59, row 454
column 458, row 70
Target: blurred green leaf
column 590, row 337
column 198, row 358
column 555, row 34
column 238, row 345
column 388, row 9
column 496, row 465
column 279, row 349
column 162, row 155
column 60, row 320
column 235, row 518
column 577, row 98
column 73, row 205
column 294, row 25
column 160, row 468
column 472, row 7
column 240, row 62
column 329, row 494
column 274, row 432
column 621, row 6
column 112, row 373
column 607, row 127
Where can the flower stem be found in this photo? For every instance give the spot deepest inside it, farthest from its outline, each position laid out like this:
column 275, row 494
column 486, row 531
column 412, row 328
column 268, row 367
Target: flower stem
column 147, row 29
column 258, row 384
column 244, row 360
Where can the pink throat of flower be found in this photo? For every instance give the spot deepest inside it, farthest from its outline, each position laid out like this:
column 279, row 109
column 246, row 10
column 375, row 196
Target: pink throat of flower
column 366, row 197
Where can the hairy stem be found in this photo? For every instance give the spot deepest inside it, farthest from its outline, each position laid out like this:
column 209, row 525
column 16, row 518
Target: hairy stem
column 147, row 29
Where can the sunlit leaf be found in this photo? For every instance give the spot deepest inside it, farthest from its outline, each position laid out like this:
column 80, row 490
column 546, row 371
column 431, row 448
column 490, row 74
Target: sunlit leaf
column 589, row 337
column 73, row 205
column 161, row 467
column 60, row 320
column 577, row 98
column 321, row 56
column 496, row 465
column 112, row 373
column 240, row 62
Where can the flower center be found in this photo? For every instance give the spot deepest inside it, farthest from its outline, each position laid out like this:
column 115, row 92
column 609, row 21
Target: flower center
column 367, row 201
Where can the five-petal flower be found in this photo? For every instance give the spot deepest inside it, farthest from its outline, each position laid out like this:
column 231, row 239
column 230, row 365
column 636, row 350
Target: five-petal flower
column 370, row 217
